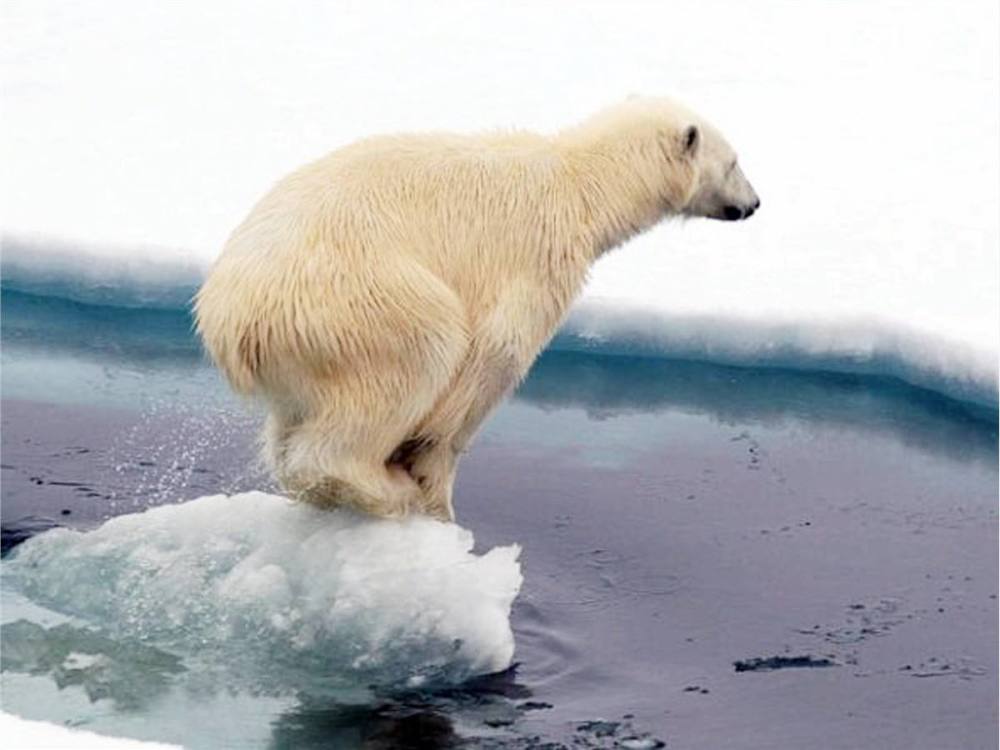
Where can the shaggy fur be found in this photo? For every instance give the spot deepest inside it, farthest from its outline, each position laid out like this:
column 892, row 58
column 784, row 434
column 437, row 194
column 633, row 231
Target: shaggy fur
column 383, row 299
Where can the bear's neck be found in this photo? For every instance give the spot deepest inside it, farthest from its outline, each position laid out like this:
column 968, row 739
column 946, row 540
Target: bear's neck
column 619, row 185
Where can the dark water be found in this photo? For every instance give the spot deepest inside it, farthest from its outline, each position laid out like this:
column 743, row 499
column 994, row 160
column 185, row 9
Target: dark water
column 713, row 557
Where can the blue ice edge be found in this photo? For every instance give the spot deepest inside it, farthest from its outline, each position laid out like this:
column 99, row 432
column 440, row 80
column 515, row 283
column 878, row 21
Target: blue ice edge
column 856, row 347
column 607, row 327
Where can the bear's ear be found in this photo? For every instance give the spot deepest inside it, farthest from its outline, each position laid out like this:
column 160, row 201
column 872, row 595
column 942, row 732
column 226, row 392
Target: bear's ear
column 690, row 140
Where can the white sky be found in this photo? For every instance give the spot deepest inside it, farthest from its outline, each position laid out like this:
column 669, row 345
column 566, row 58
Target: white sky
column 870, row 130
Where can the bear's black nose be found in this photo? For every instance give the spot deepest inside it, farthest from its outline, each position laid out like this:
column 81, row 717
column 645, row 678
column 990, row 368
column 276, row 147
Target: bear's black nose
column 732, row 213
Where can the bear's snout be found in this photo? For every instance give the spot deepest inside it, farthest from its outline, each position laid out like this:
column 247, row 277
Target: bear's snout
column 736, row 213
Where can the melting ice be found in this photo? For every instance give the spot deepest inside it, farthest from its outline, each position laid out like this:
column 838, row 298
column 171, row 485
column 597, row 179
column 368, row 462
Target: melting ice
column 279, row 596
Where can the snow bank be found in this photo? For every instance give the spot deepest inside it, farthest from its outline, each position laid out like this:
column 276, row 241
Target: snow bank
column 848, row 343
column 150, row 277
column 282, row 594
column 868, row 347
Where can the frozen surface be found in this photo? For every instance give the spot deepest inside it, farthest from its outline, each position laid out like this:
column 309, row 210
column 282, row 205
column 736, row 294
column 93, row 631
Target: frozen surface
column 40, row 735
column 869, row 130
column 285, row 597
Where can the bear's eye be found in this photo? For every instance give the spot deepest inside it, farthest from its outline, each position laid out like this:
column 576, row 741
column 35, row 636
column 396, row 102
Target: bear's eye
column 731, row 167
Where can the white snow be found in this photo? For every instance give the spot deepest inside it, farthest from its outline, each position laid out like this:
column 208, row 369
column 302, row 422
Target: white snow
column 146, row 130
column 41, row 735
column 283, row 594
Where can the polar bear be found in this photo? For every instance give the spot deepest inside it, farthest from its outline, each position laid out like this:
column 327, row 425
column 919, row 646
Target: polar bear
column 383, row 299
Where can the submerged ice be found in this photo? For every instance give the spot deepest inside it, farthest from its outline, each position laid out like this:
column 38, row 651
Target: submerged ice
column 278, row 595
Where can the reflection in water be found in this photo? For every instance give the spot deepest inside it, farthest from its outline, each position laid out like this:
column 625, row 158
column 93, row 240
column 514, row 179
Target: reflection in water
column 490, row 713
column 129, row 673
column 493, row 711
column 487, row 708
column 116, row 334
column 380, row 728
column 132, row 676
column 608, row 387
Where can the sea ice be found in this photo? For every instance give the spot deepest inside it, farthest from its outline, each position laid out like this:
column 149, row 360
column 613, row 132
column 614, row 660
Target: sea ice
column 282, row 595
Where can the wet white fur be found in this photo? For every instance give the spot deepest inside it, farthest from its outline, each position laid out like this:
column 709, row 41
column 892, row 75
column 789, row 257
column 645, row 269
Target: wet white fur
column 396, row 289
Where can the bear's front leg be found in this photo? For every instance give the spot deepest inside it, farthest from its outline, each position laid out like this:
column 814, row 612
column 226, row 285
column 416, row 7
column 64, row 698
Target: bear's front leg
column 502, row 348
column 434, row 472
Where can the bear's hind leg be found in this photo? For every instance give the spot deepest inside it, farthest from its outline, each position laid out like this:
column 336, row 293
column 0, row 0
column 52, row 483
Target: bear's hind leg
column 367, row 367
column 346, row 448
column 372, row 488
column 331, row 466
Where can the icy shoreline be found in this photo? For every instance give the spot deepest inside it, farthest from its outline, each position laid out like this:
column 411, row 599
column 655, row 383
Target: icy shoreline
column 166, row 280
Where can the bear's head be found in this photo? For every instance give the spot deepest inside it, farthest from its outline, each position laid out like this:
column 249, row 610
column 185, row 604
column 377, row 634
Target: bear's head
column 720, row 190
column 692, row 167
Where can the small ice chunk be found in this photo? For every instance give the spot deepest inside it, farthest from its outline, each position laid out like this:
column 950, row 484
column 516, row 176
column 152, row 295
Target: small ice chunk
column 284, row 593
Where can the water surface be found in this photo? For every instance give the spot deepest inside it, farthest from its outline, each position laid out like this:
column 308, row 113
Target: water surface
column 713, row 556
